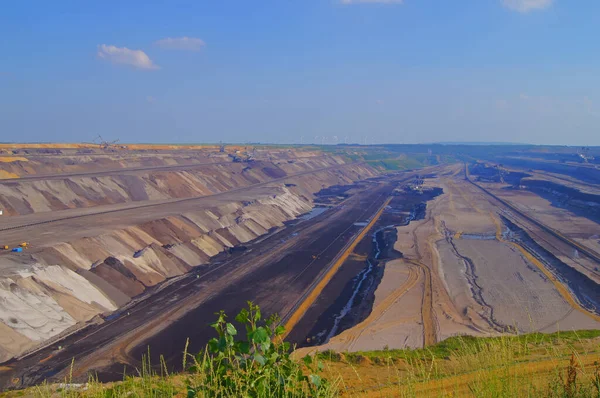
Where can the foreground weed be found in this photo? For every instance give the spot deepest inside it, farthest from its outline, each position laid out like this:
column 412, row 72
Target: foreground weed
column 259, row 366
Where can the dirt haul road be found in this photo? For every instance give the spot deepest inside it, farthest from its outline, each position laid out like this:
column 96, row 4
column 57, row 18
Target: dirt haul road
column 68, row 225
column 267, row 273
column 123, row 171
column 478, row 281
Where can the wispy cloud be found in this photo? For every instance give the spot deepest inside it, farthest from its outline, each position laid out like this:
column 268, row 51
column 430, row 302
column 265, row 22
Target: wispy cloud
column 125, row 56
column 372, row 1
column 181, row 43
column 527, row 5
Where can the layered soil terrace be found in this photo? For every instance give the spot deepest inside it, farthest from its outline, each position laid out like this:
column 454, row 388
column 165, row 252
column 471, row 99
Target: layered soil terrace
column 104, row 239
column 464, row 271
column 272, row 271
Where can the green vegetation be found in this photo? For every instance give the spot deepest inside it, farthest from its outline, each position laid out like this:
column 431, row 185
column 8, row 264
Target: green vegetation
column 564, row 364
column 257, row 367
column 523, row 344
column 387, row 157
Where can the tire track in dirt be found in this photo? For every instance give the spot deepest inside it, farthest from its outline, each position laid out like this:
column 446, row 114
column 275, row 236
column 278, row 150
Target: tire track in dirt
column 560, row 287
column 384, row 306
column 427, row 313
column 472, row 280
column 428, row 318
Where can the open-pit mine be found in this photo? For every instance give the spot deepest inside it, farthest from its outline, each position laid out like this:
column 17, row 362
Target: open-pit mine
column 111, row 253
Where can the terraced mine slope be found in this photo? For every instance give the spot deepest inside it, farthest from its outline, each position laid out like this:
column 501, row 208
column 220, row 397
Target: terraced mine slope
column 130, row 248
column 487, row 258
column 105, row 238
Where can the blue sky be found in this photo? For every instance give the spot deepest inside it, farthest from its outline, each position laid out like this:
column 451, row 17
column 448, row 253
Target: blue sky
column 290, row 70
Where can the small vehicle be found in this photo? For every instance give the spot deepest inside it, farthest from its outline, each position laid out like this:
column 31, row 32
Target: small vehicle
column 4, row 247
column 24, row 245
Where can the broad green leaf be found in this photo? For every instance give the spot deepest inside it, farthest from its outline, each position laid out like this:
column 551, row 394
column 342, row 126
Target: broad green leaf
column 279, row 330
column 243, row 347
column 260, row 335
column 257, row 315
column 213, row 345
column 265, row 346
column 231, row 329
column 242, row 317
column 260, row 359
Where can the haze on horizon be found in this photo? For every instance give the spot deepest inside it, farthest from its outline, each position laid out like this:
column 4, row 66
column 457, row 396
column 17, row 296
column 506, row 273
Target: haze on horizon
column 394, row 71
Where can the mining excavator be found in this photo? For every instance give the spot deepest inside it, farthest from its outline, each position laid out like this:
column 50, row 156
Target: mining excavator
column 23, row 245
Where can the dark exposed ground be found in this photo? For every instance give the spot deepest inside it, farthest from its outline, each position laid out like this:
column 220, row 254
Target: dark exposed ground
column 273, row 283
column 485, row 173
column 585, row 289
column 585, row 173
column 279, row 282
column 348, row 298
column 560, row 196
column 273, row 272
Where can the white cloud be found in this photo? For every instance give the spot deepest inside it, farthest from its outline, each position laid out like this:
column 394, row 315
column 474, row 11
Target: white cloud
column 372, row 1
column 181, row 43
column 125, row 56
column 527, row 5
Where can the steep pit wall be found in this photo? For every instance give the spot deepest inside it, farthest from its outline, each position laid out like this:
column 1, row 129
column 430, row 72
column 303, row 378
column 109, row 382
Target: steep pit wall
column 26, row 162
column 26, row 197
column 583, row 173
column 581, row 203
column 57, row 289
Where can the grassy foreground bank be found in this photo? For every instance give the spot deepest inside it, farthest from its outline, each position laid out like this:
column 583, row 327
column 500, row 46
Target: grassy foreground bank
column 565, row 364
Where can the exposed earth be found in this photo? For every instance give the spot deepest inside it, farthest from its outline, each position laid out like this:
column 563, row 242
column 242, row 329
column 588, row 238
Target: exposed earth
column 474, row 266
column 137, row 247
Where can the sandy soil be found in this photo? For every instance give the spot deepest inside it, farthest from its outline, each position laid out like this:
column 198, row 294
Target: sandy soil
column 397, row 302
column 518, row 293
column 573, row 226
column 480, row 285
column 458, row 279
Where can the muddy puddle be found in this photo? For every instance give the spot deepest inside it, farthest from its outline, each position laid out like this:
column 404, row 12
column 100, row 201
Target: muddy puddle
column 313, row 213
column 352, row 290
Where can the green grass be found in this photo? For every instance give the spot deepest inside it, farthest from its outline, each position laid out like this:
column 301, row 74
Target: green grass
column 480, row 367
column 472, row 344
column 260, row 366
